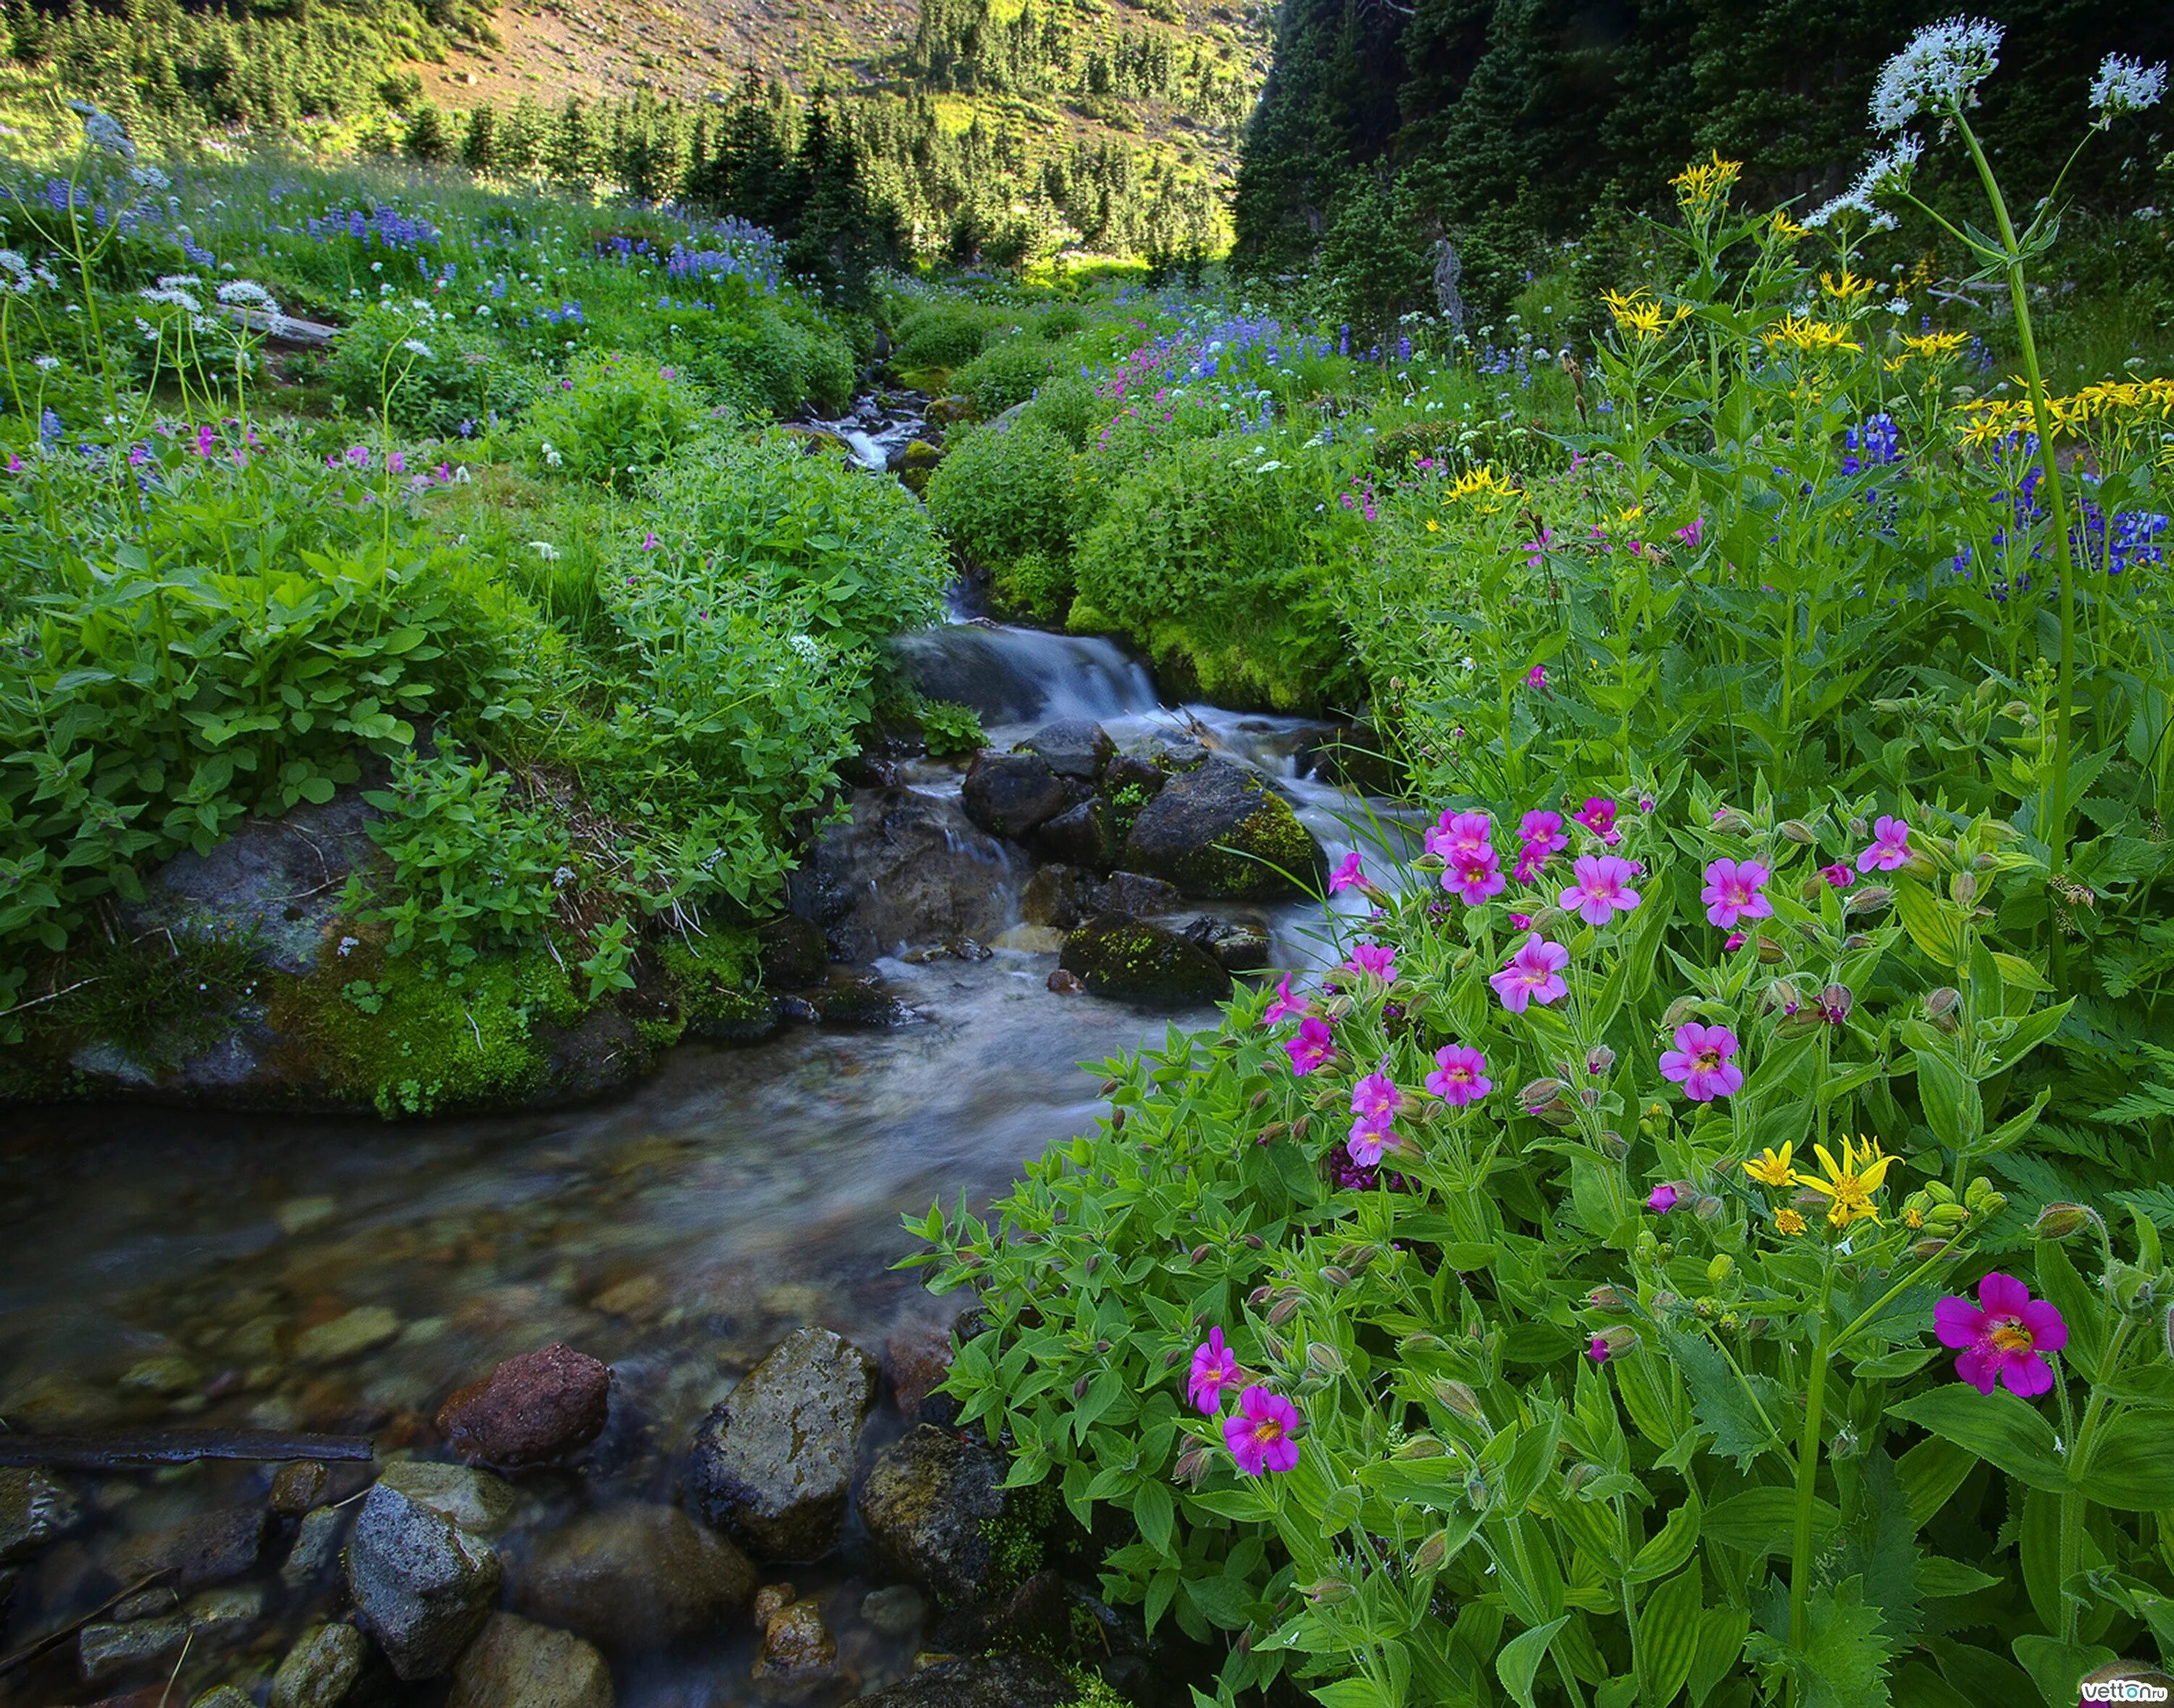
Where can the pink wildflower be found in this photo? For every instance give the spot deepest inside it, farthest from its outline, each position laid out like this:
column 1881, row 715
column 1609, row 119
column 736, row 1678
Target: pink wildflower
column 1838, row 875
column 1543, row 830
column 1286, row 1006
column 1350, row 874
column 649, row 540
column 1259, row 1433
column 1460, row 1075
column 1602, row 889
column 1531, row 861
column 397, row 463
column 1214, row 1368
column 1598, row 1350
column 1662, row 1199
column 1700, row 1062
column 2002, row 1337
column 1466, row 835
column 1533, row 975
column 1733, row 942
column 1471, row 880
column 1368, row 1138
column 1537, row 677
column 1598, row 815
column 1733, row 892
column 1373, row 960
column 207, row 441
column 1891, row 847
column 1692, row 534
column 1311, row 1048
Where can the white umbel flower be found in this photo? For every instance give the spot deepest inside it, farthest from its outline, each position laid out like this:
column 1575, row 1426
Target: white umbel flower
column 2126, row 85
column 1937, row 73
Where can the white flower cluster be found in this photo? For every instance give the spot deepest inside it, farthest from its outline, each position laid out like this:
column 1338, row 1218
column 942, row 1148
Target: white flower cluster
column 2125, row 86
column 1890, row 170
column 246, row 294
column 1938, row 73
column 416, row 347
column 19, row 278
column 103, row 131
column 806, row 647
column 175, row 290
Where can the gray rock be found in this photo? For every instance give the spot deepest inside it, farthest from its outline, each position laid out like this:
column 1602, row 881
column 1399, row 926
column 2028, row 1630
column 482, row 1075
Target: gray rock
column 1218, row 831
column 221, row 1616
column 518, row 1664
column 912, row 869
column 930, row 1503
column 1242, row 948
column 350, row 1335
column 774, row 1463
column 1143, row 897
column 198, row 1551
column 895, row 1612
column 422, row 1586
column 316, row 1550
column 1001, row 1681
column 1009, row 794
column 633, row 1576
column 322, row 1669
column 147, row 1603
column 1135, row 961
column 108, row 1650
column 798, row 1659
column 477, row 1502
column 1080, row 836
column 224, row 1696
column 1071, row 746
column 35, row 1508
column 1133, row 771
column 1061, row 896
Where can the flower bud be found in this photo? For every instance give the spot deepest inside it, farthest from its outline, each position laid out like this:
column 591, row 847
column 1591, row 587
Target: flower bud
column 1666, row 1300
column 1191, row 1467
column 1798, row 832
column 1325, row 1357
column 2059, row 1221
column 1857, row 828
column 1326, row 1592
column 1433, row 1554
column 1547, row 919
column 1855, row 940
column 1946, row 1218
column 1254, row 1242
column 1579, row 1475
column 1729, row 819
column 1605, row 1298
column 1924, row 1251
column 1420, row 1447
column 1718, row 1270
column 1614, row 1145
column 1429, row 863
column 1770, row 953
column 1170, row 1358
column 1199, row 1253
column 1963, row 886
column 1942, row 1003
column 1299, row 1129
column 1080, row 1389
column 1706, row 1206
column 1454, row 1396
column 1846, row 1444
column 1617, row 1340
column 1835, row 1001
column 1939, row 1192
column 1540, row 1094
column 1421, row 1341
column 1679, row 1012
column 1336, row 1275
column 1108, row 1086
column 1270, row 1133
column 1869, row 899
column 1598, row 1060
column 1981, row 1199
column 1282, row 1311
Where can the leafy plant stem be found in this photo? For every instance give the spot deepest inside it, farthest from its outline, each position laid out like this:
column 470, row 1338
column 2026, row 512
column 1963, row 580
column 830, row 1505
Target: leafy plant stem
column 1808, row 1468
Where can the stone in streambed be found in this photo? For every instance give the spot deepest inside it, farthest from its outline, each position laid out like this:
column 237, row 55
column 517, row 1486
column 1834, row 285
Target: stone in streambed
column 633, row 1576
column 1071, row 746
column 422, row 1586
column 35, row 1508
column 1240, row 948
column 1135, row 960
column 530, row 1410
column 1000, row 1681
column 932, row 1504
column 317, row 1547
column 477, row 1501
column 774, row 1463
column 895, row 1612
column 108, row 1650
column 197, row 1551
column 1080, row 836
column 1009, row 794
column 364, row 1329
column 916, row 1360
column 799, row 1660
column 518, row 1664
column 322, row 1670
column 1218, row 831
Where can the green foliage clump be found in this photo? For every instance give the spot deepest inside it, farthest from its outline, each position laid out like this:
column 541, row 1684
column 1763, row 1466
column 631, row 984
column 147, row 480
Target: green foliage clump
column 940, row 335
column 760, row 360
column 1035, row 586
column 1067, row 405
column 947, row 727
column 1001, row 494
column 611, row 418
column 1003, row 374
column 403, row 363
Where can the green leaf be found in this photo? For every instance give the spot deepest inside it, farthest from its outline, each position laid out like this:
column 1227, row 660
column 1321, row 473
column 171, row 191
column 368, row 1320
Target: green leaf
column 1155, row 1512
column 1919, row 1686
column 1843, row 1661
column 1722, row 1632
column 2080, row 1307
column 2131, row 1467
column 1668, row 1636
column 1953, row 1107
column 1761, row 1520
column 1939, row 1576
column 1931, row 1472
column 1725, row 1408
column 1668, row 1551
column 1519, row 1662
column 1998, row 1427
column 2058, row 1669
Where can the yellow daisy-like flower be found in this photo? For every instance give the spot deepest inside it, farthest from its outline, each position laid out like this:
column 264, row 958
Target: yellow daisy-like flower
column 1848, row 1185
column 1845, row 289
column 1933, row 347
column 1810, row 338
column 1433, row 526
column 1787, row 1221
column 1703, row 185
column 1642, row 315
column 1786, row 228
column 1769, row 1169
column 1483, row 487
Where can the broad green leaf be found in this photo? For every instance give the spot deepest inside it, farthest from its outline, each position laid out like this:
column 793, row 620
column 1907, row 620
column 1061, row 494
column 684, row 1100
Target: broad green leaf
column 1998, row 1427
column 1519, row 1662
column 1722, row 1632
column 1667, row 1637
column 2131, row 1467
column 1761, row 1522
column 2057, row 1667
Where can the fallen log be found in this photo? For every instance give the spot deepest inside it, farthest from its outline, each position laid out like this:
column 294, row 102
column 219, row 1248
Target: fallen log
column 122, row 1450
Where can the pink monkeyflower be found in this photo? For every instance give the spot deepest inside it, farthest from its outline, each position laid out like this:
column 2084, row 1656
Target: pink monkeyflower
column 1461, row 835
column 1692, row 534
column 1521, row 922
column 1838, row 875
column 1700, row 1062
column 1472, row 881
column 1376, row 1099
column 1535, row 549
column 1368, row 1138
column 1259, row 1433
column 1214, row 1368
column 1531, row 861
column 649, row 540
column 1735, row 941
column 1460, row 1075
column 15, row 463
column 1598, row 1350
column 1537, row 677
column 1598, row 815
column 1662, row 1199
column 1311, row 1048
column 1891, row 847
column 1646, row 804
column 1285, row 1006
column 1735, row 892
column 1350, row 874
column 1602, row 889
column 1533, row 975
column 1373, row 960
column 207, row 441
column 1543, row 830
column 2002, row 1337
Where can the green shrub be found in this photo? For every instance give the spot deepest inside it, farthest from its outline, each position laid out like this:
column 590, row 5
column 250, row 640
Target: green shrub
column 1000, row 494
column 948, row 727
column 762, row 362
column 406, row 362
column 1067, row 404
column 940, row 335
column 1036, row 586
column 612, row 418
column 1003, row 374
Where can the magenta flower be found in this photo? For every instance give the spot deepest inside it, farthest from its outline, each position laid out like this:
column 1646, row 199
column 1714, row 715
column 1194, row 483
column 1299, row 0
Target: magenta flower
column 1285, row 1006
column 1311, row 1048
column 1460, row 1075
column 397, row 463
column 1531, row 861
column 1537, row 677
column 1700, row 1062
column 1214, row 1368
column 1259, row 1433
column 1521, row 922
column 1891, row 847
column 1472, row 881
column 1533, row 975
column 1733, row 942
column 1368, row 1138
column 1602, row 889
column 1733, row 892
column 1662, row 1199
column 1375, row 1097
column 1373, row 960
column 1543, row 830
column 1351, row 874
column 1598, row 815
column 207, row 441
column 1598, row 1349
column 1692, row 533
column 1461, row 836
column 358, row 456
column 1838, row 875
column 15, row 464
column 2001, row 1336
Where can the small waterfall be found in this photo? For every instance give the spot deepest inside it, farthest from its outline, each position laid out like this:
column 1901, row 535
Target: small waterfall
column 1012, row 675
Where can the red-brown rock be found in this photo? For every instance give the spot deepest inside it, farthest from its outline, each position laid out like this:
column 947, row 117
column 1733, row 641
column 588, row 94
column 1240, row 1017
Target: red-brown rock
column 916, row 1358
column 530, row 1410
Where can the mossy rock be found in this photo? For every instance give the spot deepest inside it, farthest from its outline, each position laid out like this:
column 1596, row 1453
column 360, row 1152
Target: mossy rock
column 1218, row 831
column 1132, row 960
column 916, row 464
column 818, row 441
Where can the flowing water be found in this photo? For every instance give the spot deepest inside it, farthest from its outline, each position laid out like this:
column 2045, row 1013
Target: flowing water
column 159, row 1267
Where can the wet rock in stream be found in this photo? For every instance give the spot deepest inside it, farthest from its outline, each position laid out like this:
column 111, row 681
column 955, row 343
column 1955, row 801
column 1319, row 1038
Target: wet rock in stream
column 207, row 1549
column 109, row 1650
column 517, row 1663
column 530, row 1410
column 1011, row 794
column 1138, row 960
column 799, row 1660
column 1001, row 1681
column 774, row 1463
column 35, row 1508
column 633, row 1575
column 1218, row 831
column 422, row 1586
column 322, row 1669
column 931, row 1502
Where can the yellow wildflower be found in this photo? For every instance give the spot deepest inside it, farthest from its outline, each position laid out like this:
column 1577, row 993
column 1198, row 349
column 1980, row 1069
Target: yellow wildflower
column 1932, row 347
column 1433, row 526
column 1772, row 1170
column 1787, row 1221
column 1704, row 186
column 1786, row 228
column 1845, row 289
column 1848, row 1185
column 1483, row 487
column 1808, row 336
column 1642, row 315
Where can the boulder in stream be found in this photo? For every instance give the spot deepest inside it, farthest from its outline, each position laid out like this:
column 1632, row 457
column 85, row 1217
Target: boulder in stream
column 1135, row 961
column 1010, row 794
column 322, row 1668
column 422, row 1586
column 207, row 1549
column 932, row 1505
column 799, row 1660
column 908, row 869
column 517, row 1663
column 530, row 1410
column 1218, row 831
column 774, row 1463
column 633, row 1575
column 1082, row 836
column 1072, row 747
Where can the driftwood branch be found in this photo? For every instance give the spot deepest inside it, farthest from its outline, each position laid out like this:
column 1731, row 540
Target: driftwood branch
column 121, row 1450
